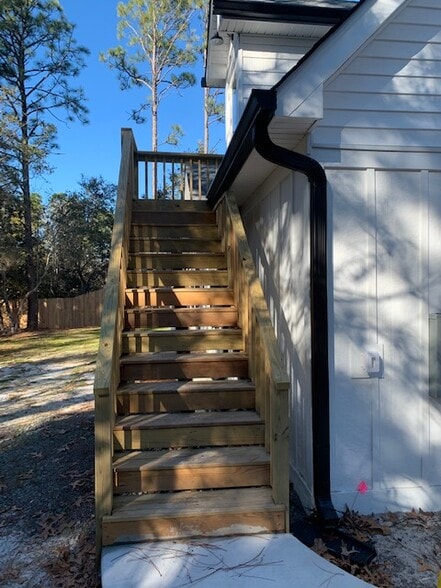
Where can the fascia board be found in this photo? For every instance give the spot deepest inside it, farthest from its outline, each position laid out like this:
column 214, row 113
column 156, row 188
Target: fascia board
column 306, row 81
column 327, row 13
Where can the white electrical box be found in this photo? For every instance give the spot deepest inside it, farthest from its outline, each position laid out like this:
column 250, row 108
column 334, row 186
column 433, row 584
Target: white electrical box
column 367, row 362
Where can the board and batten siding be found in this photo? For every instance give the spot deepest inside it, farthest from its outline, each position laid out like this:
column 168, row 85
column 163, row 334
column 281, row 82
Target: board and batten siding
column 276, row 219
column 380, row 143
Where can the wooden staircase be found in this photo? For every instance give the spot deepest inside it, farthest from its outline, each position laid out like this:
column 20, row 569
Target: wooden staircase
column 189, row 445
column 191, row 396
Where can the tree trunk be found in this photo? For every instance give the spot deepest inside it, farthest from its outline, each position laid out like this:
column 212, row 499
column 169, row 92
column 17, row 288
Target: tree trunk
column 155, row 139
column 31, row 270
column 206, row 124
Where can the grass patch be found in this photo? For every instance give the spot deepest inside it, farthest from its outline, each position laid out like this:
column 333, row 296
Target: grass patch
column 29, row 347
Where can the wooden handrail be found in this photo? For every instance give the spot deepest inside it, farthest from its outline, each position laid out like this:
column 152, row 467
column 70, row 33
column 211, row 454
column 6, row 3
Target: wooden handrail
column 176, row 176
column 109, row 350
column 266, row 366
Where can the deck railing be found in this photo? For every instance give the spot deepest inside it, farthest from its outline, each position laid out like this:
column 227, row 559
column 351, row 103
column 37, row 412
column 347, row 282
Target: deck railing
column 265, row 363
column 107, row 372
column 175, row 176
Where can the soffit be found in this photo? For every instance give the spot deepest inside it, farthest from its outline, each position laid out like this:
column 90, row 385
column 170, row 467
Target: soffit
column 300, row 19
column 288, row 133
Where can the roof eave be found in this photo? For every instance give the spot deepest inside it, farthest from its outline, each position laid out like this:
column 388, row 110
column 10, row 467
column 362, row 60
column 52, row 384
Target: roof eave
column 296, row 12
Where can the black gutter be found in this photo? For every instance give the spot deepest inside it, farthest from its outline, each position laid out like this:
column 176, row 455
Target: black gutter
column 252, row 133
column 311, row 12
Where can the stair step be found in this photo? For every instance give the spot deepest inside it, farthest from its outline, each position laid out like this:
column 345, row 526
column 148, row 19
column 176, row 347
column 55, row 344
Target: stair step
column 177, row 261
column 173, row 218
column 158, row 205
column 193, row 514
column 154, row 278
column 153, row 318
column 190, row 429
column 185, row 366
column 170, row 245
column 140, row 341
column 159, row 231
column 138, row 297
column 173, row 396
column 191, row 469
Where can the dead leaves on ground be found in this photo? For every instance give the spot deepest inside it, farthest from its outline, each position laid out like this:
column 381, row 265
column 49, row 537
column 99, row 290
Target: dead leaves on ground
column 427, row 555
column 72, row 564
column 362, row 527
column 372, row 573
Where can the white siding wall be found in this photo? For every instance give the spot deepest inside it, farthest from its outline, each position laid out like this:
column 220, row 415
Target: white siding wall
column 277, row 220
column 380, row 142
column 389, row 95
column 263, row 61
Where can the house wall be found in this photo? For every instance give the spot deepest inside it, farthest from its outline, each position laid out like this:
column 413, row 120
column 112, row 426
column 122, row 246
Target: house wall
column 380, row 144
column 261, row 62
column 277, row 219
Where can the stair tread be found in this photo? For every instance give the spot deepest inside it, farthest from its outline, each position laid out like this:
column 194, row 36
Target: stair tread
column 172, row 332
column 186, row 419
column 172, row 356
column 167, row 205
column 191, row 458
column 185, row 238
column 178, row 297
column 178, row 396
column 187, row 503
column 182, row 310
column 166, row 387
column 172, row 272
column 178, row 253
column 180, row 289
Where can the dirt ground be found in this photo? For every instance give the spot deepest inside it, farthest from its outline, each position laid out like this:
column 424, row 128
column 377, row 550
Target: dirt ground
column 46, row 487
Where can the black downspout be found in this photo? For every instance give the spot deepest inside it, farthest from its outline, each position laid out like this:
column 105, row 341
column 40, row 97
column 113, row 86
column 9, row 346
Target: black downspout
column 319, row 310
column 252, row 133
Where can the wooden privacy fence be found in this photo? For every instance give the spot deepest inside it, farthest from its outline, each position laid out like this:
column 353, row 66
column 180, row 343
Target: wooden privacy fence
column 71, row 313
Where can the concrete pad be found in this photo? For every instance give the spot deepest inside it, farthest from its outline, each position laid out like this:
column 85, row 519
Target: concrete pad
column 255, row 561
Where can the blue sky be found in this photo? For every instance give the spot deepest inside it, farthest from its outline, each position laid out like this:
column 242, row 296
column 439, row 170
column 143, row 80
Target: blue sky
column 94, row 149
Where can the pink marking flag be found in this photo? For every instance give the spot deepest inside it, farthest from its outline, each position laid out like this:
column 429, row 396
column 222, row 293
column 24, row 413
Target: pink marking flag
column 362, row 487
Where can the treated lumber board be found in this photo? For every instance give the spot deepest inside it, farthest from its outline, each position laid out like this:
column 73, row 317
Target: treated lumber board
column 185, row 366
column 147, row 205
column 161, row 431
column 156, row 231
column 173, row 218
column 178, row 515
column 224, row 418
column 167, row 296
column 152, row 318
column 257, row 297
column 184, row 459
column 117, row 529
column 210, row 435
column 155, row 278
column 175, row 396
column 174, row 245
column 177, row 261
column 187, row 469
column 230, row 500
column 140, row 341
